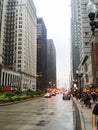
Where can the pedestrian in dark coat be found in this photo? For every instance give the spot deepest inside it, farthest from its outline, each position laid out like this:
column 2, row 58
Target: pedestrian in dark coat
column 94, row 97
column 94, row 115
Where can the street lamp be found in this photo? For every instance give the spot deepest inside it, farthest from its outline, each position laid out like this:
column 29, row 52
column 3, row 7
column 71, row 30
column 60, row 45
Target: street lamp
column 93, row 15
column 50, row 84
column 79, row 78
column 77, row 73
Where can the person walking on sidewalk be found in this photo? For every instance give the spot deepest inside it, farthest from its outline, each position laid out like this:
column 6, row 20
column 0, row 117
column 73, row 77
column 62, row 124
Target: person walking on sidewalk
column 94, row 115
column 87, row 100
column 94, row 96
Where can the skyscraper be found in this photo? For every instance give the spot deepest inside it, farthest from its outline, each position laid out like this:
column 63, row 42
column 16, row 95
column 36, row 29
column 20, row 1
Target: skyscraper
column 51, row 64
column 83, row 35
column 19, row 40
column 75, row 55
column 81, row 27
column 41, row 55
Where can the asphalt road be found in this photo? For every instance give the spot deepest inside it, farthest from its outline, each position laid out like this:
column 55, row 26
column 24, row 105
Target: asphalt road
column 38, row 114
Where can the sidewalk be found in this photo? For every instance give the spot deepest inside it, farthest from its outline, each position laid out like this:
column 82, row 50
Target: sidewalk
column 85, row 115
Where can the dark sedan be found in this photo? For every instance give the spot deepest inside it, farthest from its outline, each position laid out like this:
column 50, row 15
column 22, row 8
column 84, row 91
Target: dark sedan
column 66, row 96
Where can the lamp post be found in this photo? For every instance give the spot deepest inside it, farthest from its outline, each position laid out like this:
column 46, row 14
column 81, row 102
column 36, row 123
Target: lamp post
column 93, row 17
column 50, row 85
column 79, row 77
column 77, row 73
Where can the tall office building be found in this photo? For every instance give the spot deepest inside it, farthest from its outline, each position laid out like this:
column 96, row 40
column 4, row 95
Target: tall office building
column 82, row 33
column 75, row 54
column 85, row 31
column 19, row 40
column 86, row 65
column 85, row 47
column 41, row 55
column 51, row 64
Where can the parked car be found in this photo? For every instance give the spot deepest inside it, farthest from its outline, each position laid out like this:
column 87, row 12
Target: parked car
column 47, row 95
column 66, row 96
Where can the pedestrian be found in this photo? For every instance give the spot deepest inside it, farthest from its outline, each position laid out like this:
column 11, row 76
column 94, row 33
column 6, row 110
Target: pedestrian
column 84, row 95
column 94, row 119
column 87, row 100
column 94, row 96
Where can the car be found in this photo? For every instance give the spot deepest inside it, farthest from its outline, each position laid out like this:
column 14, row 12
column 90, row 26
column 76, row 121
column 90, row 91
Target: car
column 47, row 95
column 66, row 96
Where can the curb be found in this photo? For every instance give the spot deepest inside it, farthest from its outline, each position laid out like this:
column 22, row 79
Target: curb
column 81, row 118
column 80, row 114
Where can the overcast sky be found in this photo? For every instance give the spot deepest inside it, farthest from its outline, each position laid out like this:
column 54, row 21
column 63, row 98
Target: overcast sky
column 57, row 17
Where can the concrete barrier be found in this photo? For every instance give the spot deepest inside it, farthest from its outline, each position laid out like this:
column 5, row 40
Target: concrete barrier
column 79, row 122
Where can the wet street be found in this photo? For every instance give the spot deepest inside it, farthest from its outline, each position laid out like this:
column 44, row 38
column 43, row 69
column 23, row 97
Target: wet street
column 38, row 114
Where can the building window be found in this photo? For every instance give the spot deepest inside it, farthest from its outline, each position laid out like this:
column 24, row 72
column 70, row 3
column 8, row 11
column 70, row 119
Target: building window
column 19, row 52
column 19, row 43
column 19, row 34
column 20, row 18
column 19, row 61
column 19, row 66
column 20, row 48
column 19, row 39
